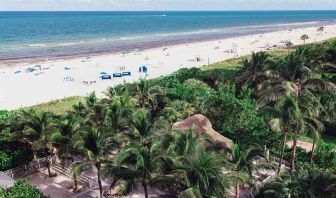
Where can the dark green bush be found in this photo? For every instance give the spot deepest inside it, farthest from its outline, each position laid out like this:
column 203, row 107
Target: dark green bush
column 21, row 189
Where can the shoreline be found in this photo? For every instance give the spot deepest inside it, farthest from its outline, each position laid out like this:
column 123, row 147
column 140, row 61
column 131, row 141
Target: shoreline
column 148, row 45
column 52, row 81
column 13, row 62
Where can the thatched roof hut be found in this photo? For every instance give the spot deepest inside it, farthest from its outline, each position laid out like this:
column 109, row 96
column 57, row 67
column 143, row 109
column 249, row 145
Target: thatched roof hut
column 202, row 125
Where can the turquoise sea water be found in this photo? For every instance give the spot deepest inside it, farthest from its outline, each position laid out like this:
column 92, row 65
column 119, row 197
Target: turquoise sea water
column 41, row 35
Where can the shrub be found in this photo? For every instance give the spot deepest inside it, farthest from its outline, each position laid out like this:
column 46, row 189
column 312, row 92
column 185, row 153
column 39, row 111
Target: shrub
column 234, row 113
column 21, row 189
column 5, row 161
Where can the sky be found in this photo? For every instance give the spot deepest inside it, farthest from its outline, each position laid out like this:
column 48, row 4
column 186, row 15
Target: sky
column 120, row 5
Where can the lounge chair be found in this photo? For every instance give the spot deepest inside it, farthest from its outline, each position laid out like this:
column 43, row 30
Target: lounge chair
column 126, row 74
column 117, row 75
column 106, row 77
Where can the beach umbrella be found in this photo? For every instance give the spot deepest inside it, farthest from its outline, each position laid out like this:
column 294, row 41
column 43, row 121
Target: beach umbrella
column 103, row 73
column 67, row 68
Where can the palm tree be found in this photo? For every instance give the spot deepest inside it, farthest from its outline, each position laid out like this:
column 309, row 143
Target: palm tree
column 244, row 165
column 37, row 129
column 288, row 113
column 118, row 113
column 140, row 161
column 306, row 182
column 297, row 79
column 314, row 128
column 202, row 173
column 63, row 138
column 80, row 110
column 196, row 171
column 143, row 92
column 288, row 45
column 304, row 38
column 95, row 143
column 91, row 100
column 252, row 69
column 142, row 125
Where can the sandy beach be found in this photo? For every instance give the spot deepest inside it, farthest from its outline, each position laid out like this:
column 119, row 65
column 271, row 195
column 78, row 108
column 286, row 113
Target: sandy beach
column 51, row 80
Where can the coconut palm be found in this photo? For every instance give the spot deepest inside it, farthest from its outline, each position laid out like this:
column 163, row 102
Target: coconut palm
column 196, row 171
column 96, row 144
column 91, row 100
column 304, row 38
column 142, row 125
column 288, row 113
column 183, row 144
column 298, row 80
column 80, row 109
column 243, row 161
column 201, row 172
column 314, row 128
column 37, row 129
column 252, row 69
column 288, row 45
column 63, row 139
column 118, row 114
column 307, row 182
column 143, row 92
column 140, row 162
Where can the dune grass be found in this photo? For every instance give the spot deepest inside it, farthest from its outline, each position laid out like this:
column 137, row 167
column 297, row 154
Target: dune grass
column 58, row 106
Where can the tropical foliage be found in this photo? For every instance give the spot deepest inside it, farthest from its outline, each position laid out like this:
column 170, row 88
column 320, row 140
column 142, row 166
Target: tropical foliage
column 127, row 135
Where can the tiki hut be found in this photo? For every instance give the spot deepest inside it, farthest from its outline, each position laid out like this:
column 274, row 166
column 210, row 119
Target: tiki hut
column 202, row 126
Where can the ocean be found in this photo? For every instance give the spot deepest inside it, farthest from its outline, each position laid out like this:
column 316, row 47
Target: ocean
column 52, row 35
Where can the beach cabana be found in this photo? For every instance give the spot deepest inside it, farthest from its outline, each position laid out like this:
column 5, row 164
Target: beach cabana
column 202, row 126
column 6, row 181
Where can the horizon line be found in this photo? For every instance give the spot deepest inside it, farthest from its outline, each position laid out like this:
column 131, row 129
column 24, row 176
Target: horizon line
column 167, row 10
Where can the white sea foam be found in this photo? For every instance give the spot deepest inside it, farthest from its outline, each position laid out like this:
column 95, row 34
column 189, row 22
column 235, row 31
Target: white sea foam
column 37, row 45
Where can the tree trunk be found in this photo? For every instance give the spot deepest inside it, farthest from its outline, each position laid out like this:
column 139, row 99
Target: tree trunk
column 283, row 148
column 312, row 152
column 237, row 190
column 144, row 184
column 99, row 180
column 48, row 166
column 75, row 184
column 294, row 151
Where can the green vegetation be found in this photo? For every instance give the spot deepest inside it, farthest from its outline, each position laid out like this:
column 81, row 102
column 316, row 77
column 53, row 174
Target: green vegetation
column 21, row 189
column 58, row 106
column 259, row 101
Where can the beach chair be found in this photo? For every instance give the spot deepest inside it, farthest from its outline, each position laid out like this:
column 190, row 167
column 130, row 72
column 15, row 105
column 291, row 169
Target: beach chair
column 126, row 74
column 106, row 77
column 117, row 75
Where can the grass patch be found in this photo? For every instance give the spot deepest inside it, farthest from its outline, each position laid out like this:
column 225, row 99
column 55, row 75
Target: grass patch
column 331, row 140
column 58, row 106
column 327, row 139
column 235, row 63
